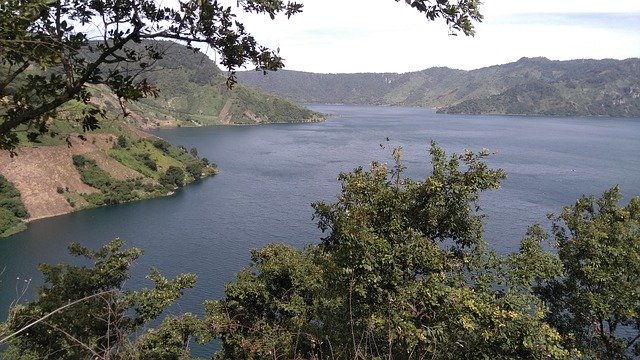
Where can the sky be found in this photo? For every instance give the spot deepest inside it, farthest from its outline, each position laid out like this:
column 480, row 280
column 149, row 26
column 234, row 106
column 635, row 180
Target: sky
column 345, row 36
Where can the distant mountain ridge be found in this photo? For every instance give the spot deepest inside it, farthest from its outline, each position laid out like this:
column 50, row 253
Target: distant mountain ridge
column 529, row 86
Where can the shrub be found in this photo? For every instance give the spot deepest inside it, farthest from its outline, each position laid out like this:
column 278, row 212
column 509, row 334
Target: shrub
column 78, row 160
column 8, row 220
column 195, row 169
column 122, row 141
column 7, row 189
column 161, row 145
column 173, row 177
column 14, row 205
column 10, row 199
column 147, row 161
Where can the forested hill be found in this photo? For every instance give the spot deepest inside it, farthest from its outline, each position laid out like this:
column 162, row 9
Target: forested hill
column 530, row 86
column 193, row 91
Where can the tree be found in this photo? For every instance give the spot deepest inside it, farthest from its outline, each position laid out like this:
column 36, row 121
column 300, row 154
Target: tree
column 173, row 177
column 594, row 303
column 52, row 50
column 403, row 273
column 195, row 168
column 85, row 312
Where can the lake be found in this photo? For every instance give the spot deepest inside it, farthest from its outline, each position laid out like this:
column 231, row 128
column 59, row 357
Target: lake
column 270, row 175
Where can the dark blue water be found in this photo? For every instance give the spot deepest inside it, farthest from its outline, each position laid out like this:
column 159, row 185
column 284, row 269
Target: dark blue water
column 270, row 175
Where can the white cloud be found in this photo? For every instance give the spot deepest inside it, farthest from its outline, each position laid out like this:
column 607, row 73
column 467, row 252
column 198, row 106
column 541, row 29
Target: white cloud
column 384, row 35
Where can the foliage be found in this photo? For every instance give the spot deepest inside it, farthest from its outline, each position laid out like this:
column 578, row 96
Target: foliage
column 403, row 273
column 100, row 325
column 12, row 210
column 121, row 141
column 9, row 223
column 147, row 161
column 161, row 145
column 172, row 178
column 171, row 339
column 156, row 159
column 267, row 311
column 594, row 302
column 112, row 191
column 152, row 157
column 195, row 169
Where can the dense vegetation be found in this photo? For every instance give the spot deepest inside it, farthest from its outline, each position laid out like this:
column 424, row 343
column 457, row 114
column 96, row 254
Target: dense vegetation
column 12, row 210
column 402, row 273
column 535, row 86
column 165, row 168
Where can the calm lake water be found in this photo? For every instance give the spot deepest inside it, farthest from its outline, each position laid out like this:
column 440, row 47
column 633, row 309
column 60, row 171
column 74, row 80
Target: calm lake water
column 271, row 174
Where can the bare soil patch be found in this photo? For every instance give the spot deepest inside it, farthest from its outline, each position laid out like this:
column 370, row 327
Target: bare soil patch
column 37, row 172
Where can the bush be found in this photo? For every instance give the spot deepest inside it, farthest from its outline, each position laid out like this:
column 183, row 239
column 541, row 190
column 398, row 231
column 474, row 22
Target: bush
column 122, row 142
column 14, row 205
column 147, row 161
column 112, row 191
column 594, row 303
column 8, row 220
column 10, row 199
column 109, row 319
column 195, row 169
column 78, row 160
column 403, row 269
column 161, row 145
column 7, row 189
column 60, row 190
column 172, row 178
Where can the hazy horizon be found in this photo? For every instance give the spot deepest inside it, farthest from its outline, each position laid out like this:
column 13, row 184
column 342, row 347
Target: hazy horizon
column 448, row 67
column 350, row 36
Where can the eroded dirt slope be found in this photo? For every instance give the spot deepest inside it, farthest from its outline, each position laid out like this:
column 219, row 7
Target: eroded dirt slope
column 37, row 172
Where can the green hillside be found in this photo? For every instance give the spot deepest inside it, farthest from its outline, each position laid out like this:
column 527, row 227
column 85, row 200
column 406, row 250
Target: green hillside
column 529, row 86
column 193, row 92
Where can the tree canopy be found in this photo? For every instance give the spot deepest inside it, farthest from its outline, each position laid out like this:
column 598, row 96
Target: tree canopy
column 403, row 272
column 51, row 50
column 595, row 302
column 86, row 312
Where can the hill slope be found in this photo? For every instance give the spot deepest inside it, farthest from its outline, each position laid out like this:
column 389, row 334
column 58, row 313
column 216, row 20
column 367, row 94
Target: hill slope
column 528, row 86
column 66, row 169
column 71, row 171
column 193, row 92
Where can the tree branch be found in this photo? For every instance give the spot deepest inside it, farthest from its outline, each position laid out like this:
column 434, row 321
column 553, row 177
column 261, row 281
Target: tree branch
column 4, row 339
column 69, row 93
column 13, row 76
